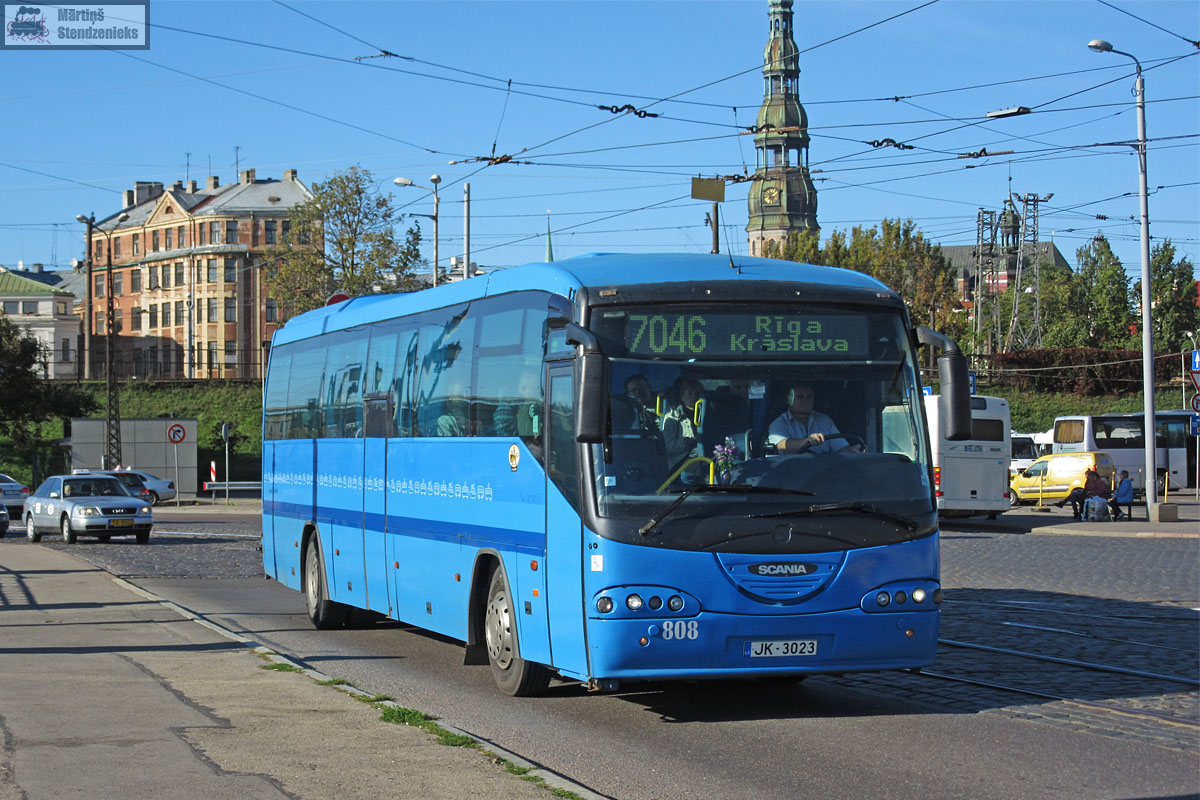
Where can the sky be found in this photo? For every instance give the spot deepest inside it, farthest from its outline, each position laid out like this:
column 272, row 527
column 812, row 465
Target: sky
column 412, row 89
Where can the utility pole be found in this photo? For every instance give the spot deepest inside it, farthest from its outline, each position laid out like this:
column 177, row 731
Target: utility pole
column 90, row 221
column 716, row 240
column 466, row 230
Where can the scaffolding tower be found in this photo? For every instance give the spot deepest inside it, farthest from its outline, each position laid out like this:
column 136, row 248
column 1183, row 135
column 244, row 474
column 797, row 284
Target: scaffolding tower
column 983, row 292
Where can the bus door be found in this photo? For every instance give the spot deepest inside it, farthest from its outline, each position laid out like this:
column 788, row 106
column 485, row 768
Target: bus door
column 376, row 419
column 564, row 528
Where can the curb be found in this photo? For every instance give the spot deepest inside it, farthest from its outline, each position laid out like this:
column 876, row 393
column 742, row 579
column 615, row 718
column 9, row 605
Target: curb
column 1059, row 531
column 552, row 780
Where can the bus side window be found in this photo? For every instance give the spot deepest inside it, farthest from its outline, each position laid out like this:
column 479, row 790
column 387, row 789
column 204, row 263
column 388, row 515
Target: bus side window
column 304, row 389
column 275, row 399
column 446, row 355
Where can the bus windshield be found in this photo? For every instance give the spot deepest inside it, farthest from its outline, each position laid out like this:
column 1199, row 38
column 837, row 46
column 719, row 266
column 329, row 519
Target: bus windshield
column 702, row 397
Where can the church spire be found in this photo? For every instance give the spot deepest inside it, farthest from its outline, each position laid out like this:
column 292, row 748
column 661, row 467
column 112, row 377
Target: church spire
column 782, row 198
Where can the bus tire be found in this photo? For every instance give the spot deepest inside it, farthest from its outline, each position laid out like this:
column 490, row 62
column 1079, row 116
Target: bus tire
column 514, row 675
column 323, row 612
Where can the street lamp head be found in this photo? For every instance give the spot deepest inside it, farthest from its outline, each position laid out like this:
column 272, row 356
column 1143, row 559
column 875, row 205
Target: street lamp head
column 435, row 179
column 1100, row 46
column 122, row 218
column 403, row 181
column 82, row 218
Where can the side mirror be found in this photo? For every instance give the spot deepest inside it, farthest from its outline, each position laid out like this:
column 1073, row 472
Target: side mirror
column 591, row 386
column 954, row 399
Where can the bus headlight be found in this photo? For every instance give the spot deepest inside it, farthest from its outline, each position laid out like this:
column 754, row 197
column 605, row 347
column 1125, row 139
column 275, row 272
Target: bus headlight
column 604, row 605
column 633, row 602
column 918, row 595
column 675, row 602
column 883, row 599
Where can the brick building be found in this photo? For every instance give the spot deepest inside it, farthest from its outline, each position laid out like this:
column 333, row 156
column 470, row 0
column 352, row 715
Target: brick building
column 187, row 277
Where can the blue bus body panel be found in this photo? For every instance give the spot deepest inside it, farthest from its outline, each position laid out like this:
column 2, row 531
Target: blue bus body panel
column 848, row 638
column 339, row 480
column 268, row 498
column 291, row 486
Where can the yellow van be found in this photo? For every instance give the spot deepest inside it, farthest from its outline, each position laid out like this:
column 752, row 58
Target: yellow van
column 1053, row 477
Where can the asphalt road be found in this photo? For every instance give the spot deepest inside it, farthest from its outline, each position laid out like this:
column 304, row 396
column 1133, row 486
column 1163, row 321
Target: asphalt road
column 1122, row 601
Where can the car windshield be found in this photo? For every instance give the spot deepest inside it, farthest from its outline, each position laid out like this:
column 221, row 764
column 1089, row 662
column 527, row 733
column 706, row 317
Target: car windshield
column 93, row 487
column 698, row 398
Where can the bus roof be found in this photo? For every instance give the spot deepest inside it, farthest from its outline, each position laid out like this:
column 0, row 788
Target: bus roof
column 567, row 277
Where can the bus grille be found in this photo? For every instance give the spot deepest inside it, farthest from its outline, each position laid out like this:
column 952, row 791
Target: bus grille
column 788, row 579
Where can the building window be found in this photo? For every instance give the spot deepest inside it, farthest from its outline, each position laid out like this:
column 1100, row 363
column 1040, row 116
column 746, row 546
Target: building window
column 179, row 317
column 154, row 241
column 214, row 233
column 11, row 307
column 230, row 353
column 200, row 234
column 153, row 270
column 212, row 270
column 118, row 321
column 137, row 243
column 230, row 270
column 100, row 249
column 153, row 317
column 286, row 228
column 135, row 280
column 272, row 312
column 179, row 273
column 231, row 234
column 231, row 309
column 213, row 351
column 66, row 349
column 29, row 307
column 116, row 247
column 135, row 318
column 99, row 327
column 166, row 276
column 166, row 315
column 180, row 230
column 269, row 231
column 99, row 286
column 212, row 310
column 118, row 284
column 169, row 238
column 61, row 308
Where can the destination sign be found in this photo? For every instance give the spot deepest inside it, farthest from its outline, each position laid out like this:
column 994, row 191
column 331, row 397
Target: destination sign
column 715, row 334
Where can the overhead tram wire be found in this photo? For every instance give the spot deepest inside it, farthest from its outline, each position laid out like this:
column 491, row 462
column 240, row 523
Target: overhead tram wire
column 1192, row 42
column 280, row 103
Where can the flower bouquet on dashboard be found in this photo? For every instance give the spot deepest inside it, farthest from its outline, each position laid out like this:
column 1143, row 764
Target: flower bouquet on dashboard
column 725, row 457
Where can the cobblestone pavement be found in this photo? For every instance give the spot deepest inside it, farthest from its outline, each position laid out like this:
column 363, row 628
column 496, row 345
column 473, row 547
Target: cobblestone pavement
column 1126, row 603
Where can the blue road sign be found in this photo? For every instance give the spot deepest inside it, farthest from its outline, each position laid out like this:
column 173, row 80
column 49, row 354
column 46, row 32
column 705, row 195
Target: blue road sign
column 1195, row 424
column 927, row 391
column 1196, row 361
column 974, row 383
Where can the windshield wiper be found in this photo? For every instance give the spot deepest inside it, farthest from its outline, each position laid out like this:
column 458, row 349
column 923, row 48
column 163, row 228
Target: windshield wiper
column 704, row 488
column 856, row 506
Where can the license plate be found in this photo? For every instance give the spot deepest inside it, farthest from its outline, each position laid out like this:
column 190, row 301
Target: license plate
column 121, row 523
column 777, row 648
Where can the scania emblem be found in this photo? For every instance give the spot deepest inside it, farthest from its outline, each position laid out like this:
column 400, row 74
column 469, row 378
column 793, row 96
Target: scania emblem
column 782, row 569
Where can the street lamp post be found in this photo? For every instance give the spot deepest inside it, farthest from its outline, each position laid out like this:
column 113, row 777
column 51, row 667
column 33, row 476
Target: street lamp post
column 435, row 180
column 112, row 455
column 90, row 221
column 1183, row 357
column 1101, row 46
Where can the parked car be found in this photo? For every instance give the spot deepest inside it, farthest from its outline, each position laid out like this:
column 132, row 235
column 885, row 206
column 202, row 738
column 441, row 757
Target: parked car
column 133, row 484
column 89, row 504
column 160, row 489
column 3, row 521
column 13, row 494
column 1053, row 477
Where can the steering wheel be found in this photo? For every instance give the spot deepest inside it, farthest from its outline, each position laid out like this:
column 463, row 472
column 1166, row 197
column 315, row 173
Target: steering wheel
column 850, row 439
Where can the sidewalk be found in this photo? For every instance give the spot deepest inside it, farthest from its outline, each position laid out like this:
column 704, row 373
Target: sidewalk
column 1053, row 520
column 106, row 692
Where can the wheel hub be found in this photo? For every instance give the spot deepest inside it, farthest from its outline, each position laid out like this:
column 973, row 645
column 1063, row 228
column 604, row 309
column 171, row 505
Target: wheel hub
column 498, row 631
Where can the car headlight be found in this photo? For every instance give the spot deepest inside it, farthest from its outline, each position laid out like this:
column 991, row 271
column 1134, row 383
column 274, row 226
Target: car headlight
column 89, row 511
column 144, row 510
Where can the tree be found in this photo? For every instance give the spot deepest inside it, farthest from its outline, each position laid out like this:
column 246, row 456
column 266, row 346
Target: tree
column 29, row 399
column 343, row 239
column 1101, row 293
column 1173, row 293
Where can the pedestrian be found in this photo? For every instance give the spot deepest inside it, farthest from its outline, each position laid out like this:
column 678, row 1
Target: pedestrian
column 1093, row 486
column 1123, row 496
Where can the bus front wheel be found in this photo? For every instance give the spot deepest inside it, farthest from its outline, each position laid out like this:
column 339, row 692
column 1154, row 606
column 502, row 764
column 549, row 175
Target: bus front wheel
column 514, row 675
column 323, row 612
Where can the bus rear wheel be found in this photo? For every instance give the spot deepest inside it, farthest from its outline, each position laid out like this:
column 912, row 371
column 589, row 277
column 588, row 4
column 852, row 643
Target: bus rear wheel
column 514, row 675
column 323, row 612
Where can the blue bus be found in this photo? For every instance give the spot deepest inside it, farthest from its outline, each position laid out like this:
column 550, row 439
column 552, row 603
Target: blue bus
column 570, row 468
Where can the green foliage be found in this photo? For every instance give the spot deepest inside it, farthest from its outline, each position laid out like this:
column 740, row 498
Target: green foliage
column 26, row 398
column 1084, row 371
column 277, row 667
column 1100, row 296
column 399, row 715
column 1173, row 289
column 343, row 239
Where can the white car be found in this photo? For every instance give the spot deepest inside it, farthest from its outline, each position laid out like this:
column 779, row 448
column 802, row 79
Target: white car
column 89, row 504
column 159, row 489
column 12, row 496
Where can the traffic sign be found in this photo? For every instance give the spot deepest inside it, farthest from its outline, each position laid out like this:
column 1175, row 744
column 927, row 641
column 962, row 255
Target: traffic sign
column 971, row 378
column 176, row 433
column 1195, row 424
column 1196, row 361
column 1196, row 403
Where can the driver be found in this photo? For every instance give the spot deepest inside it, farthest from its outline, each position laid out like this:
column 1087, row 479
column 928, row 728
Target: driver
column 801, row 429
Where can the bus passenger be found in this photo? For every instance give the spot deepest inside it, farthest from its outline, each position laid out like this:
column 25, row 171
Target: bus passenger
column 801, row 429
column 680, row 435
column 522, row 414
column 637, row 388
